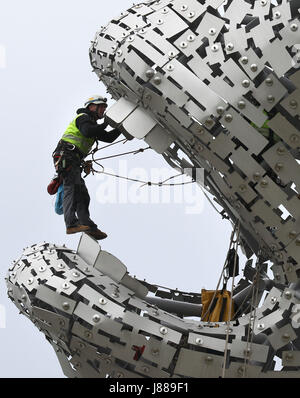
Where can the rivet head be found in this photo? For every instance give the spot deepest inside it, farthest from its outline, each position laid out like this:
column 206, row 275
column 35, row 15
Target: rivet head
column 165, row 11
column 160, row 22
column 66, row 305
column 171, row 54
column 241, row 104
column 273, row 300
column 264, row 183
column 263, row 3
column 119, row 375
column 289, row 356
column 269, row 81
column 155, row 351
column 199, row 341
column 260, row 326
column 61, row 266
column 243, row 188
column 209, row 359
column 292, row 234
column 30, row 281
column 220, row 110
column 200, row 130
column 214, row 48
column 244, row 60
column 76, row 274
column 256, row 176
column 145, row 369
column 157, row 80
column 293, row 104
column 163, row 330
column 184, row 7
column 65, row 285
column 96, row 318
column 191, row 38
column 285, row 337
column 294, row 138
column 270, row 98
column 115, row 295
column 212, row 31
column 246, row 83
column 280, row 150
column 278, row 166
column 191, row 14
column 149, row 73
column 170, row 68
column 288, row 294
column 183, row 44
column 294, row 27
column 102, row 301
column 119, row 53
column 277, row 14
column 42, row 269
column 229, row 47
column 228, row 118
column 254, row 68
column 88, row 334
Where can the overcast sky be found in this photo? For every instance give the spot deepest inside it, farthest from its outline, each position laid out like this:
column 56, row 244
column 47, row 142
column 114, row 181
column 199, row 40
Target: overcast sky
column 45, row 76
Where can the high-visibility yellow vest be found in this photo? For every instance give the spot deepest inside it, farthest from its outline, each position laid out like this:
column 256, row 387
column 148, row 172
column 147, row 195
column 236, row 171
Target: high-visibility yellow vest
column 220, row 308
column 74, row 136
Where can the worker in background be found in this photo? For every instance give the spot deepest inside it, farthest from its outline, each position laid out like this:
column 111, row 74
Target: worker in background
column 74, row 146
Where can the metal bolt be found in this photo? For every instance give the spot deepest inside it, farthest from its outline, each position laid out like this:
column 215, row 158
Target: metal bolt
column 220, row 110
column 277, row 14
column 102, row 301
column 160, row 21
column 256, row 176
column 119, row 375
column 289, row 356
column 263, row 3
column 191, row 14
column 155, row 351
column 76, row 274
column 149, row 73
column 209, row 359
column 119, row 53
column 278, row 166
column 269, row 81
column 288, row 295
column 66, row 305
column 163, row 330
column 293, row 104
column 254, row 67
column 183, row 44
column 280, row 150
column 270, row 98
column 115, row 295
column 264, row 183
column 61, row 266
column 212, row 31
column 96, row 318
column 145, row 369
column 170, row 68
column 215, row 48
column 243, row 187
column 200, row 130
column 228, row 118
column 191, row 38
column 285, row 337
column 199, row 341
column 42, row 269
column 229, row 47
column 171, row 54
column 157, row 80
column 273, row 300
column 294, row 138
column 293, row 234
column 260, row 326
column 246, row 83
column 30, row 281
column 88, row 334
column 165, row 11
column 65, row 286
column 244, row 60
column 294, row 27
column 184, row 7
column 241, row 104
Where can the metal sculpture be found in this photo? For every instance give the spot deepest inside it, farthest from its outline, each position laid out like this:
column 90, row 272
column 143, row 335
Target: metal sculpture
column 219, row 81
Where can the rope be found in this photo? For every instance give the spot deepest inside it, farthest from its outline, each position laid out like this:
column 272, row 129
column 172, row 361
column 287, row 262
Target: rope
column 230, row 306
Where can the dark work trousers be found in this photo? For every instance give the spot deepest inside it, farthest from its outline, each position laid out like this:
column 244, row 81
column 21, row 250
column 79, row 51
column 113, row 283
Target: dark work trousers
column 76, row 198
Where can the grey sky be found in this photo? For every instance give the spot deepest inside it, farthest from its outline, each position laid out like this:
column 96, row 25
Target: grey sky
column 45, row 76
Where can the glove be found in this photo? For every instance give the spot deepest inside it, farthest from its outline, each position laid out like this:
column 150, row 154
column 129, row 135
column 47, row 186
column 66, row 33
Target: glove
column 88, row 167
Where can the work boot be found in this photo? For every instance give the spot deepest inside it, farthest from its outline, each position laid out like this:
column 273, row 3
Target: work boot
column 77, row 228
column 97, row 234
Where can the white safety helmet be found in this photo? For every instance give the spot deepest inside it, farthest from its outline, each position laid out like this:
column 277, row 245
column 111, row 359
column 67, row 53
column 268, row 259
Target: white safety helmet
column 96, row 99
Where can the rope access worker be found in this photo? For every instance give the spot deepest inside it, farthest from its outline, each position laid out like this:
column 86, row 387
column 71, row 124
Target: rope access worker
column 74, row 146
